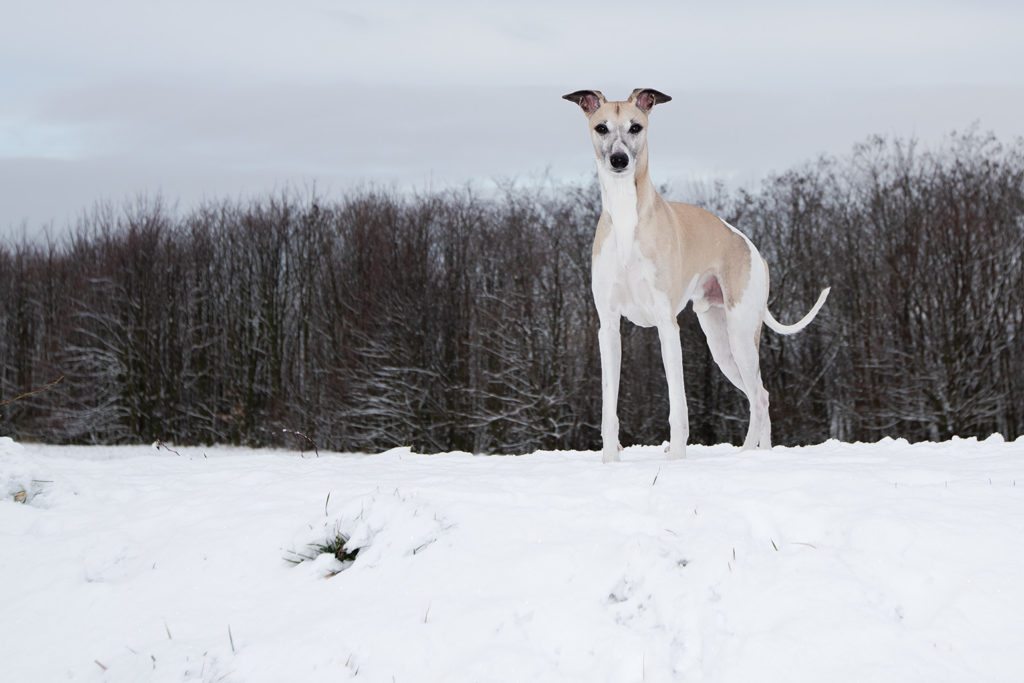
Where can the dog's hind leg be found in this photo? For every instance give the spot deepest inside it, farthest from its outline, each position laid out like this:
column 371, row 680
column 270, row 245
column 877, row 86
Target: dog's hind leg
column 712, row 321
column 744, row 335
column 715, row 325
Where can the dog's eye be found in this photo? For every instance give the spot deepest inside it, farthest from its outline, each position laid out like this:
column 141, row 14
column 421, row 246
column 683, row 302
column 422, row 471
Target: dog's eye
column 601, row 129
column 635, row 128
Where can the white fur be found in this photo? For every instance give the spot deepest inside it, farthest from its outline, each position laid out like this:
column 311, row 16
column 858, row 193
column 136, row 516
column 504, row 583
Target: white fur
column 618, row 197
column 625, row 283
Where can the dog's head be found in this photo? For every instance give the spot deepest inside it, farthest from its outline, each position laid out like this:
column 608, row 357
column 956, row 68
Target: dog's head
column 618, row 129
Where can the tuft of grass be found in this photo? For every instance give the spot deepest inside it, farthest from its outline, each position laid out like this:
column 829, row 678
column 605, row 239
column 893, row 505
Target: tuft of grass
column 336, row 546
column 36, row 487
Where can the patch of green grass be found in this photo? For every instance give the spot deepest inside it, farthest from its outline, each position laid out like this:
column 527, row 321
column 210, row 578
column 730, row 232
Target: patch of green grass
column 336, row 546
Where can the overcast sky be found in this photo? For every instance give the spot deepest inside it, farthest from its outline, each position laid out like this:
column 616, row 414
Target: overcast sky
column 194, row 99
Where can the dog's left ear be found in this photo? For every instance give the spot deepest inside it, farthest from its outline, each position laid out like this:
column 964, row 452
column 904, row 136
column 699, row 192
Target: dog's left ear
column 646, row 98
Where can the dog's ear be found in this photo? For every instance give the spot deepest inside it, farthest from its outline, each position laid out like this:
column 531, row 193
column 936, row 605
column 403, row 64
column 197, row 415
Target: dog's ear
column 589, row 100
column 646, row 98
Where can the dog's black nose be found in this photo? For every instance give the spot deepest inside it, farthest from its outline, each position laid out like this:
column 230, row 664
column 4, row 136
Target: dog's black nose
column 618, row 160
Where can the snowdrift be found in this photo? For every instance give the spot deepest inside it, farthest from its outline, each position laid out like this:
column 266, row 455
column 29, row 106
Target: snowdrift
column 837, row 562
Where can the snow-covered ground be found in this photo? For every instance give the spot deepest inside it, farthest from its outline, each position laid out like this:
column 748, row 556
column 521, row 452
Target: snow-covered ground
column 838, row 562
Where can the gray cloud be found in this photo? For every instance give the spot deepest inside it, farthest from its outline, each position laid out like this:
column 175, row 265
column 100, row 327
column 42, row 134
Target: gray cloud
column 224, row 99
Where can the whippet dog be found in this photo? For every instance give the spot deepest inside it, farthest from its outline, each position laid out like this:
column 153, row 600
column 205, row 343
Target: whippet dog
column 651, row 257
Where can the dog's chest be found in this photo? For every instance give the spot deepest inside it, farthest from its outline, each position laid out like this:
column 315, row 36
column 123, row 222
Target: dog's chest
column 625, row 281
column 625, row 278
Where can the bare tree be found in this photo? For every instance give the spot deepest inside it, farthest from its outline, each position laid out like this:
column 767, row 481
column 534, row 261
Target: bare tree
column 453, row 320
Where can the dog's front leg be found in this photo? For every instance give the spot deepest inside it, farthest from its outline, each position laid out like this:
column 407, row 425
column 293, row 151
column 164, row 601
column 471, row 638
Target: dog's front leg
column 611, row 358
column 672, row 357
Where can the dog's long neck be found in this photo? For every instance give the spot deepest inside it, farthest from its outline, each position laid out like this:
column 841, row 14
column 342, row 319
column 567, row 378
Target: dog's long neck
column 623, row 196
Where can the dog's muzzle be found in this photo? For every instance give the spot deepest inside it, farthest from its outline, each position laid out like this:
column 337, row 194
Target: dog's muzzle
column 618, row 161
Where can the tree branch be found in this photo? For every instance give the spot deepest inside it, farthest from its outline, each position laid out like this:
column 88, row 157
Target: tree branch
column 34, row 391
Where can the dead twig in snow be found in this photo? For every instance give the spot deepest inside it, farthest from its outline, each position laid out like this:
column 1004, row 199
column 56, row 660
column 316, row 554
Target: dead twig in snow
column 303, row 436
column 158, row 444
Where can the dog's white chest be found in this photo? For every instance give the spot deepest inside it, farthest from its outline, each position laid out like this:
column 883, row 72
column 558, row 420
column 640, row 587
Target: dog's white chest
column 625, row 280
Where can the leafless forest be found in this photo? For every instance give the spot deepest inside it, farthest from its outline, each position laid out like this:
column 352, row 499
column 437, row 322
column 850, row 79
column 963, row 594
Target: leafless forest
column 458, row 321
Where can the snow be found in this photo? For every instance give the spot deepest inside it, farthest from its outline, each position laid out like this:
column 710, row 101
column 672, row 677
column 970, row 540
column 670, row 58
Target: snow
column 836, row 562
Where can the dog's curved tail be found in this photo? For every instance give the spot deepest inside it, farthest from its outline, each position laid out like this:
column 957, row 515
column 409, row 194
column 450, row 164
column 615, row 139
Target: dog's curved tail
column 771, row 322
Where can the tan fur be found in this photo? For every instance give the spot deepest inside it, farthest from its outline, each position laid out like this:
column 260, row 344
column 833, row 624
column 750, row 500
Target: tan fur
column 683, row 241
column 661, row 256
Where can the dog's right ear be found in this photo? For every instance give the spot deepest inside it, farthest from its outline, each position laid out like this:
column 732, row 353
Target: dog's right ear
column 589, row 100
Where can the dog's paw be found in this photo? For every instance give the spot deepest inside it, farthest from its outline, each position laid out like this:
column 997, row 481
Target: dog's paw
column 611, row 456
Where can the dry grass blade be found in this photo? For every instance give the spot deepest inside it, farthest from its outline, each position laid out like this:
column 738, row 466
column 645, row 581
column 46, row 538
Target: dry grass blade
column 303, row 436
column 158, row 444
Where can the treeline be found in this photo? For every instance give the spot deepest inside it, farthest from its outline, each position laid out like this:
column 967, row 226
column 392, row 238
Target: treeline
column 457, row 321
